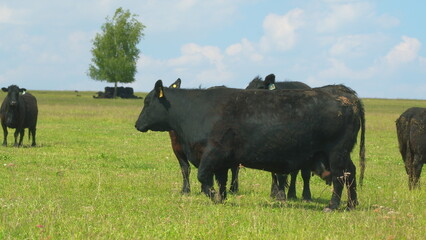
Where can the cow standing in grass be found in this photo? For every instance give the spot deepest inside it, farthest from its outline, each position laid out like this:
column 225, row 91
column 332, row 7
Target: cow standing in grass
column 278, row 131
column 180, row 145
column 411, row 130
column 19, row 110
column 342, row 93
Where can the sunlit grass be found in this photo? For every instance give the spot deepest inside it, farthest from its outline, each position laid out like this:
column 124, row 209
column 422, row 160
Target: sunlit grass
column 93, row 176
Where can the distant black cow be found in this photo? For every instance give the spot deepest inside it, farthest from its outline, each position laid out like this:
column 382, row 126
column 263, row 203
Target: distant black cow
column 178, row 146
column 269, row 83
column 19, row 110
column 411, row 130
column 278, row 131
column 279, row 181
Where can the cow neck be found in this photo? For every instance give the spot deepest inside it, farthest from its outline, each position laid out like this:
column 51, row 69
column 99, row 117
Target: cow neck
column 191, row 110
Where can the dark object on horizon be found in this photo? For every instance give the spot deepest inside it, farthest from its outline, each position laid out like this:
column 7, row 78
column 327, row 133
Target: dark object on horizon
column 18, row 110
column 410, row 127
column 123, row 92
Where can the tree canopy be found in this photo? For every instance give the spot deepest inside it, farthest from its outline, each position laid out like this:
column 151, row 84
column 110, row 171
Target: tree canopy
column 114, row 51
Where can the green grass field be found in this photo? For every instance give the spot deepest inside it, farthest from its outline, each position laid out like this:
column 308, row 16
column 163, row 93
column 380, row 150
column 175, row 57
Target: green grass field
column 93, row 176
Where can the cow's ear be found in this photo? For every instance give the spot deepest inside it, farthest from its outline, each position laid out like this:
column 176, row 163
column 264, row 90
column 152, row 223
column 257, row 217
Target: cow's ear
column 159, row 91
column 22, row 90
column 176, row 84
column 4, row 89
column 270, row 82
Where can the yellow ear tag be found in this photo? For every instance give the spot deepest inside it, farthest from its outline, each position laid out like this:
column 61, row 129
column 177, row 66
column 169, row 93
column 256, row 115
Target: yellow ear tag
column 174, row 86
column 160, row 95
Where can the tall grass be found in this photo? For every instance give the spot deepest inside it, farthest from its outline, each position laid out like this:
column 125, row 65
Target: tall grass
column 93, row 176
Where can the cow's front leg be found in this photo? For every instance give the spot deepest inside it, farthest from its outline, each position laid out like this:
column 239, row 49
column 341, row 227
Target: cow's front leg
column 4, row 135
column 234, row 180
column 292, row 188
column 222, row 178
column 15, row 135
column 21, row 136
column 306, row 176
column 186, row 170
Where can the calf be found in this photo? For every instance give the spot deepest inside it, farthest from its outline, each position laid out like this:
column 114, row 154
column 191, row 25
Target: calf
column 278, row 131
column 19, row 110
column 411, row 133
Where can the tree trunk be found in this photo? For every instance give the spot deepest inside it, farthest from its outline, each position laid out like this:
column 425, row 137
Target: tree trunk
column 115, row 91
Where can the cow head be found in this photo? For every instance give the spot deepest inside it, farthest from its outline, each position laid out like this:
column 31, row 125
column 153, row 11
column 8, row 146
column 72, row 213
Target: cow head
column 154, row 114
column 258, row 83
column 12, row 97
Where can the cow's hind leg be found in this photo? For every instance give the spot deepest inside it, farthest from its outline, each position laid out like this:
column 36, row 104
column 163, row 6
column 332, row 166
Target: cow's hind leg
column 234, row 180
column 337, row 167
column 350, row 180
column 32, row 132
column 416, row 171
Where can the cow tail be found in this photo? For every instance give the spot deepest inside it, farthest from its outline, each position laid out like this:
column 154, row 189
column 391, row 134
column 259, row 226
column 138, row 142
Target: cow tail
column 362, row 142
column 29, row 135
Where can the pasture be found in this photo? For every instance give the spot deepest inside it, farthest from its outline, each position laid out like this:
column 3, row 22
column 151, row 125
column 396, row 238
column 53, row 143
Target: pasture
column 93, row 176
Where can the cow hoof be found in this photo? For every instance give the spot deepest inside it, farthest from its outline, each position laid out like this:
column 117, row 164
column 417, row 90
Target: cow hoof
column 280, row 196
column 327, row 209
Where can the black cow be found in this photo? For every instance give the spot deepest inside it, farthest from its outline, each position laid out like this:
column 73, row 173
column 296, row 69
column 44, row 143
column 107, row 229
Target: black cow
column 178, row 146
column 278, row 131
column 279, row 181
column 19, row 110
column 269, row 83
column 342, row 93
column 411, row 130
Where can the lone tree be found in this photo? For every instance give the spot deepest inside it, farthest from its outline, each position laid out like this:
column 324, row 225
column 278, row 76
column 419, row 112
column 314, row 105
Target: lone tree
column 114, row 50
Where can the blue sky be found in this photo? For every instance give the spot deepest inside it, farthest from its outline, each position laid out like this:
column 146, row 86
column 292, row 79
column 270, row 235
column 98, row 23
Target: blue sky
column 375, row 47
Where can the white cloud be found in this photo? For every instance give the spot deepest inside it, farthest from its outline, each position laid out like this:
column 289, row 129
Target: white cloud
column 404, row 52
column 244, row 49
column 11, row 16
column 349, row 46
column 5, row 14
column 387, row 21
column 342, row 14
column 280, row 31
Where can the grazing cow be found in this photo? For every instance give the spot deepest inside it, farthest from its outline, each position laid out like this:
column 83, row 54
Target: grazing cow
column 277, row 131
column 279, row 181
column 411, row 130
column 179, row 151
column 19, row 111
